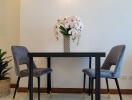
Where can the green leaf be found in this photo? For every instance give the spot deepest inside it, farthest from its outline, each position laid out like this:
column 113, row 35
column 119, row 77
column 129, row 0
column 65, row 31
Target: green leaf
column 64, row 31
column 2, row 54
column 0, row 51
column 6, row 70
column 4, row 62
column 62, row 28
column 6, row 57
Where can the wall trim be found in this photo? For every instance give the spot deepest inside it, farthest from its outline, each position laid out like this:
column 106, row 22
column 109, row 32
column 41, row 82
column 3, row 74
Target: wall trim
column 72, row 90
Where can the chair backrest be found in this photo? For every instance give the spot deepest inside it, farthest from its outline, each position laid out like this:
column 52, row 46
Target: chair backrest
column 20, row 55
column 114, row 58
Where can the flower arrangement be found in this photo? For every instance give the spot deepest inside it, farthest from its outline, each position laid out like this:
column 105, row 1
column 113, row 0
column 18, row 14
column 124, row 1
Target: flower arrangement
column 70, row 26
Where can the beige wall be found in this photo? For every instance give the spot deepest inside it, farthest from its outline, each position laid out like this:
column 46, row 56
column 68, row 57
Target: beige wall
column 9, row 26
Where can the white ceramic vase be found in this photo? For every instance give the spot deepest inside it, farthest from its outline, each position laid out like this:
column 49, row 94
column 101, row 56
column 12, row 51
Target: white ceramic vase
column 66, row 44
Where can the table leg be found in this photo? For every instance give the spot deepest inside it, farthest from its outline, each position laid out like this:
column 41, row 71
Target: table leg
column 31, row 79
column 97, row 75
column 90, row 63
column 49, row 76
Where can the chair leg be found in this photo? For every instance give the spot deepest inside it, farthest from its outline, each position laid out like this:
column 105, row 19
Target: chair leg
column 38, row 88
column 84, row 82
column 89, row 86
column 28, row 84
column 17, row 85
column 92, row 87
column 107, row 85
column 117, row 84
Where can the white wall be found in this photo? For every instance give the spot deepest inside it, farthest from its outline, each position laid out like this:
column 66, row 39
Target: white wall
column 106, row 23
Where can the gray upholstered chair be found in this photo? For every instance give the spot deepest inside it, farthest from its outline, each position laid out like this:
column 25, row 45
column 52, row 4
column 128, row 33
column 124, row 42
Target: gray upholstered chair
column 114, row 58
column 20, row 55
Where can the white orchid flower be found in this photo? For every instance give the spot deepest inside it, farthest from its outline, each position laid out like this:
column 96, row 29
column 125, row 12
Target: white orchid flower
column 71, row 25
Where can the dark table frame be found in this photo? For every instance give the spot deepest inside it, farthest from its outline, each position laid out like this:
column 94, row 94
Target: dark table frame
column 97, row 56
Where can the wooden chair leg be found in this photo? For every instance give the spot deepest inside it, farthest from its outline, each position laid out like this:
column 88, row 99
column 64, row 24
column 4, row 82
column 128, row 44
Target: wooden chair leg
column 17, row 85
column 117, row 84
column 38, row 88
column 107, row 85
column 84, row 82
column 92, row 87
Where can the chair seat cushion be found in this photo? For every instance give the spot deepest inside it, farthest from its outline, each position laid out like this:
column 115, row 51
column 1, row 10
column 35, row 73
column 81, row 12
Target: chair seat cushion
column 103, row 73
column 36, row 72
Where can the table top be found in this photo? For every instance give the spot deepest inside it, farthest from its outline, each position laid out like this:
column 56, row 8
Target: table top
column 69, row 54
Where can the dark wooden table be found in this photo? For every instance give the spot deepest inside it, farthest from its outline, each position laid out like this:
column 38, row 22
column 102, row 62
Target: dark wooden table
column 49, row 55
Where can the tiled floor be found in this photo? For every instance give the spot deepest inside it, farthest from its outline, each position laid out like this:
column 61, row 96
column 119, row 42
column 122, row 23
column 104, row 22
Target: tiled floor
column 24, row 96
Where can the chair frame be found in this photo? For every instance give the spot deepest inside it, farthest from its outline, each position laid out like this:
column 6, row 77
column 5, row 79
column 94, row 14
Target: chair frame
column 91, row 81
column 17, row 63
